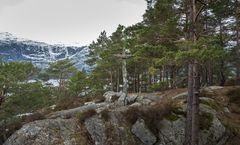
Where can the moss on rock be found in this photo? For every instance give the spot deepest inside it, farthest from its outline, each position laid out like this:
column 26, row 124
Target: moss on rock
column 172, row 117
column 206, row 120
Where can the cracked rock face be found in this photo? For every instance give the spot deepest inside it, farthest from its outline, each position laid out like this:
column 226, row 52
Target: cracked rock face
column 143, row 133
column 47, row 132
column 96, row 129
column 171, row 133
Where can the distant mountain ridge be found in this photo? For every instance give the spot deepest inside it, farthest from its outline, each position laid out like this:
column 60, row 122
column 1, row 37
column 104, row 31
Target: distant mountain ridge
column 39, row 53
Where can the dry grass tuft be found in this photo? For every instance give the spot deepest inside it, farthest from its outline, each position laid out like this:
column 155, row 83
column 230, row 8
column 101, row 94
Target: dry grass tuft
column 105, row 114
column 234, row 96
column 33, row 117
column 82, row 116
column 151, row 114
column 76, row 102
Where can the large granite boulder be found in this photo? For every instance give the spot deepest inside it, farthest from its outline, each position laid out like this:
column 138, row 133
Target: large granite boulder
column 47, row 132
column 172, row 133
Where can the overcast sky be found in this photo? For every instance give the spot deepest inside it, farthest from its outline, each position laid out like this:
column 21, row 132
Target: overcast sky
column 67, row 21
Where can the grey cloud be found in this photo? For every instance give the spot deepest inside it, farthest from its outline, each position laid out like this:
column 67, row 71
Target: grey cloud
column 131, row 1
column 6, row 3
column 67, row 21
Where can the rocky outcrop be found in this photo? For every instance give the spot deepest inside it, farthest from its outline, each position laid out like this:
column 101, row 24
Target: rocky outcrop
column 111, row 125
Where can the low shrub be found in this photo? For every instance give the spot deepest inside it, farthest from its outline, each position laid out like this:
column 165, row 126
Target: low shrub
column 132, row 114
column 105, row 114
column 161, row 86
column 210, row 103
column 205, row 120
column 172, row 117
column 234, row 96
column 68, row 103
column 82, row 116
column 205, row 93
column 151, row 114
column 99, row 99
column 33, row 117
column 233, row 82
column 8, row 127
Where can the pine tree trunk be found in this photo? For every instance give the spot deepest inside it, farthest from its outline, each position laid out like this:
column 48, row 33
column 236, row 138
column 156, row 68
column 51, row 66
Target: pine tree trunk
column 118, row 80
column 164, row 74
column 124, row 74
column 111, row 80
column 222, row 74
column 192, row 121
column 204, row 75
column 134, row 81
column 196, row 84
column 149, row 80
column 172, row 71
column 195, row 105
column 210, row 74
column 160, row 75
column 140, row 83
column 238, row 40
column 188, row 128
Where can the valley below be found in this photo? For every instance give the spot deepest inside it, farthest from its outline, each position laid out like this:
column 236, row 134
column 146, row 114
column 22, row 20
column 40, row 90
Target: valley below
column 40, row 54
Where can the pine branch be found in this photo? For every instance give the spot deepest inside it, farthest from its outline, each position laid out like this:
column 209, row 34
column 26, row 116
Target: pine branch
column 201, row 9
column 203, row 3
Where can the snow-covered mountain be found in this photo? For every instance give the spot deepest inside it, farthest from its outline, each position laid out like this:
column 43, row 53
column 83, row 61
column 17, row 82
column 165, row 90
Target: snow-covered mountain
column 41, row 54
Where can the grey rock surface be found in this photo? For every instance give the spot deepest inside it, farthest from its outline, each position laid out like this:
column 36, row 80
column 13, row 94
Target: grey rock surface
column 71, row 112
column 143, row 133
column 171, row 132
column 45, row 132
column 96, row 129
column 110, row 96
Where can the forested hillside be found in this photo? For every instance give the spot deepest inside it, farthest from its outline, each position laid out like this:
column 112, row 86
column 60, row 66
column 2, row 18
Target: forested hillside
column 161, row 47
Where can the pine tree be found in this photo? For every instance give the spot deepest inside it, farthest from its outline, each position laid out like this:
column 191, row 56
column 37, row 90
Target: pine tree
column 61, row 70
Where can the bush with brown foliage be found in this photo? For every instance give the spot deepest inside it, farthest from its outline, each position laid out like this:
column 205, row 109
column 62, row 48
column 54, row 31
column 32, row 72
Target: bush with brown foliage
column 233, row 82
column 33, row 117
column 98, row 99
column 151, row 114
column 8, row 127
column 69, row 103
column 205, row 120
column 76, row 102
column 105, row 114
column 234, row 96
column 82, row 116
